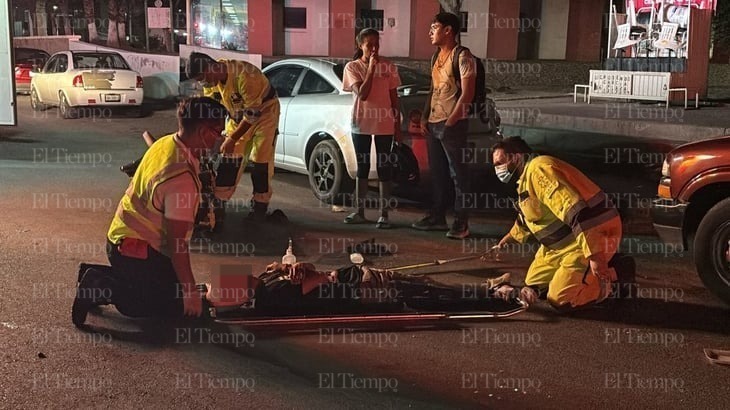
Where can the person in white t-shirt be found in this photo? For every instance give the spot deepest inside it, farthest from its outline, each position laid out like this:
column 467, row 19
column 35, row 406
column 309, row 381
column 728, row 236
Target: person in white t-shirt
column 373, row 81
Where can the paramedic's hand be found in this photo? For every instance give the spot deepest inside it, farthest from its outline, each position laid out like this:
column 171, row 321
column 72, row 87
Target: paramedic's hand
column 192, row 303
column 599, row 268
column 494, row 250
column 227, row 146
column 528, row 295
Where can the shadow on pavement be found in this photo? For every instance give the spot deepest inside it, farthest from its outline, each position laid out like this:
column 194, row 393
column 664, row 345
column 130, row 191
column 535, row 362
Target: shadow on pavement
column 662, row 314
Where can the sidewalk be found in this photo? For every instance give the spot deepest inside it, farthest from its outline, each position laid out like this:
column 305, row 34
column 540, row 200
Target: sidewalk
column 554, row 109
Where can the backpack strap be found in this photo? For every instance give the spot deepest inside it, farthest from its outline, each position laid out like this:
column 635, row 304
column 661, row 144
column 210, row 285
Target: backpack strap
column 434, row 57
column 455, row 69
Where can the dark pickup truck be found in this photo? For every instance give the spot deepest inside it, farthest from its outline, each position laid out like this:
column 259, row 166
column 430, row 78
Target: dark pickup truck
column 693, row 208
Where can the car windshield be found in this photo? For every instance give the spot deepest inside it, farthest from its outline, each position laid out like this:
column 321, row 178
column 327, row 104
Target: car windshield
column 99, row 60
column 408, row 76
column 28, row 55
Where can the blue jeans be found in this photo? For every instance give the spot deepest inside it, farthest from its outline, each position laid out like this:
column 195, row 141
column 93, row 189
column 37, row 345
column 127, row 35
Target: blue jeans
column 446, row 156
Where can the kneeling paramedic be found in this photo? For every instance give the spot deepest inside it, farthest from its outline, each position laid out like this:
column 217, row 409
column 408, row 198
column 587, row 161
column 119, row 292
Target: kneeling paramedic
column 578, row 227
column 252, row 127
column 148, row 239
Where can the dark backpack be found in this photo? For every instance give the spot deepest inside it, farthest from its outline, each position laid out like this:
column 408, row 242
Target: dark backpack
column 481, row 105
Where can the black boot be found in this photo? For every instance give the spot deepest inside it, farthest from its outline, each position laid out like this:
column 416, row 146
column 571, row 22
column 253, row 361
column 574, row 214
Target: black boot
column 94, row 289
column 258, row 211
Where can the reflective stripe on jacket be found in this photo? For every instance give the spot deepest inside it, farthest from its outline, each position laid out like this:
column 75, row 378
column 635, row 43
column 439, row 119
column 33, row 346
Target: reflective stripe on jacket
column 558, row 204
column 136, row 215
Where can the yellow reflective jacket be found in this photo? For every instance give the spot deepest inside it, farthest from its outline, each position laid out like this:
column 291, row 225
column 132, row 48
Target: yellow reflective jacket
column 558, row 204
column 246, row 88
column 136, row 215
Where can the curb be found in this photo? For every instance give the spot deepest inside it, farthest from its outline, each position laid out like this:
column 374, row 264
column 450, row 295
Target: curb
column 638, row 129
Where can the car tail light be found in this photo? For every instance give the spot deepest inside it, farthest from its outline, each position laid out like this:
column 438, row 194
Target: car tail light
column 132, row 101
column 140, row 83
column 91, row 101
column 78, row 81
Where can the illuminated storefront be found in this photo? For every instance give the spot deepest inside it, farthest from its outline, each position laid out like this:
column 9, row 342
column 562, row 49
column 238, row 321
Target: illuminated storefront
column 220, row 24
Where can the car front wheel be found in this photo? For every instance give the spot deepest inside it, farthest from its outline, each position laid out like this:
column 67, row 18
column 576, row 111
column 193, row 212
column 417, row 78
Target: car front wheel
column 328, row 175
column 712, row 250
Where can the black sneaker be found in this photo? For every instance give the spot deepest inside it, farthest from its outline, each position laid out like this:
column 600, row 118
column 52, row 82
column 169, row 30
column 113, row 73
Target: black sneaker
column 459, row 230
column 430, row 223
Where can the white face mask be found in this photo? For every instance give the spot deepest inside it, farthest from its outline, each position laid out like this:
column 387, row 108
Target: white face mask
column 503, row 173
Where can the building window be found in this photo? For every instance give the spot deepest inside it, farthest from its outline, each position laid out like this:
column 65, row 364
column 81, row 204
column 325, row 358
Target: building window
column 295, row 17
column 371, row 19
column 464, row 22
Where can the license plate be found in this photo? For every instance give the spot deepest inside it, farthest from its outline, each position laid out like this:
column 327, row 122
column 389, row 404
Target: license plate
column 112, row 97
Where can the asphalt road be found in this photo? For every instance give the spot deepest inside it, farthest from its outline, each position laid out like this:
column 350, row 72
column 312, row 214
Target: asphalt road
column 59, row 185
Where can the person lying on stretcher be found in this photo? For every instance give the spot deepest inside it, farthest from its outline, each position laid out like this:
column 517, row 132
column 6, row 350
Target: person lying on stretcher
column 299, row 288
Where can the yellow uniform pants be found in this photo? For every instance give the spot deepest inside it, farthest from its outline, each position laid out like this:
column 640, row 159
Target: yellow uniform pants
column 566, row 272
column 257, row 145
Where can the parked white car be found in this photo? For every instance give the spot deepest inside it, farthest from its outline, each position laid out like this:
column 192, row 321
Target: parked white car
column 314, row 127
column 73, row 79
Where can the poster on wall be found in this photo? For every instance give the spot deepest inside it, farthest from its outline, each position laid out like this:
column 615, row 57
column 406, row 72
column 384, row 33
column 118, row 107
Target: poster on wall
column 158, row 17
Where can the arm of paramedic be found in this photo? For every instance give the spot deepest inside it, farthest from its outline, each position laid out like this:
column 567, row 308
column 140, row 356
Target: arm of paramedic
column 252, row 88
column 518, row 234
column 564, row 202
column 467, row 68
column 181, row 197
column 176, row 237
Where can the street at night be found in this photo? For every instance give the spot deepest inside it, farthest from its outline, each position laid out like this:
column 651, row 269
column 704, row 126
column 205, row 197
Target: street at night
column 61, row 186
column 319, row 204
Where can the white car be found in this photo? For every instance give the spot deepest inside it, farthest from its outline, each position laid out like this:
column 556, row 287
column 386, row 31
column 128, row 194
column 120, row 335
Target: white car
column 314, row 127
column 73, row 79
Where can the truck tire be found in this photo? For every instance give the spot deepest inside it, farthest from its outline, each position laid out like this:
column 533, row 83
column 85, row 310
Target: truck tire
column 711, row 250
column 328, row 176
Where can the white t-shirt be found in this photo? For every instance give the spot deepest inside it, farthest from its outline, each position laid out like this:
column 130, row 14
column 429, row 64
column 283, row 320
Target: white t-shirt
column 374, row 115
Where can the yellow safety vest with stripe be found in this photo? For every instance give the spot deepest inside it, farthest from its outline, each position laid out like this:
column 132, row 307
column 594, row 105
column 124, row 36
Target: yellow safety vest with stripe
column 246, row 88
column 136, row 215
column 558, row 204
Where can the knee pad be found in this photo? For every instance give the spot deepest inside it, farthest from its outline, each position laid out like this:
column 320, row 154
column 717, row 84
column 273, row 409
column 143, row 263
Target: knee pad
column 260, row 177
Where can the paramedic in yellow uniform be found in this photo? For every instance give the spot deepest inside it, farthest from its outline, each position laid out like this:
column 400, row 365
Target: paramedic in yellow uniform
column 251, row 130
column 578, row 227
